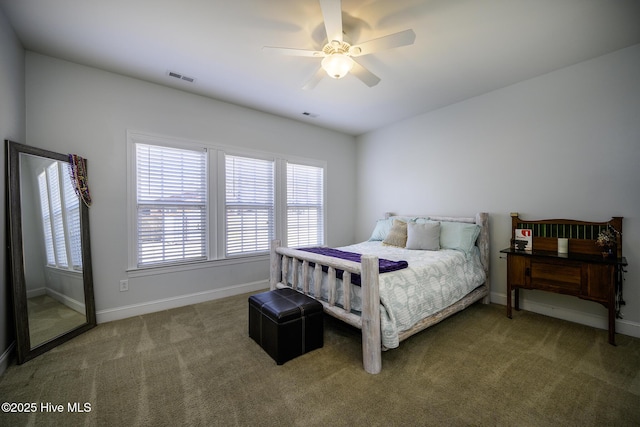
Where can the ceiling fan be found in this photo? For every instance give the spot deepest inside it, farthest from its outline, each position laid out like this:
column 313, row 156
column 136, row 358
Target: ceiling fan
column 338, row 55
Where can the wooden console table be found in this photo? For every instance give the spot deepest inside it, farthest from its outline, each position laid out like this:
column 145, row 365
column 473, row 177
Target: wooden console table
column 582, row 272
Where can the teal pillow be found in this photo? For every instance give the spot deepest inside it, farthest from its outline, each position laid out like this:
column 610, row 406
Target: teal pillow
column 458, row 235
column 381, row 230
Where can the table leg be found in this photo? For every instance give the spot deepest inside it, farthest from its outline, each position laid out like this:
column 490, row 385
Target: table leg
column 508, row 300
column 612, row 323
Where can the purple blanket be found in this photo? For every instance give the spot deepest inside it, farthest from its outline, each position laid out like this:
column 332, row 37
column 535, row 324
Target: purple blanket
column 384, row 265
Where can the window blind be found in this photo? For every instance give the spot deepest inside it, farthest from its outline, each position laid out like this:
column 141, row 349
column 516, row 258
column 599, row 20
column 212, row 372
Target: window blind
column 60, row 211
column 55, row 201
column 46, row 218
column 249, row 204
column 305, row 205
column 171, row 198
column 72, row 213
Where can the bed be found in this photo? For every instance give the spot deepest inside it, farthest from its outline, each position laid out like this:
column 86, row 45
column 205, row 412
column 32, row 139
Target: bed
column 389, row 307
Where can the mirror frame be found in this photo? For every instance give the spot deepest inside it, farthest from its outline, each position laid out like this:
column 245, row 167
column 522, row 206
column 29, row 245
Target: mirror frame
column 24, row 351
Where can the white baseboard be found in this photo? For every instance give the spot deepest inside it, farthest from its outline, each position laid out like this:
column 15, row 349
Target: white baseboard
column 624, row 327
column 36, row 292
column 73, row 304
column 109, row 315
column 61, row 298
column 5, row 358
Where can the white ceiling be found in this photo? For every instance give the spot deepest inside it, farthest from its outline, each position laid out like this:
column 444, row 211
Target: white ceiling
column 463, row 48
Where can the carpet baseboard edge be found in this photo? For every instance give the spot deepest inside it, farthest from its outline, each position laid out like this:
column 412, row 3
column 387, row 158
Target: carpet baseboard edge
column 124, row 312
column 624, row 327
column 5, row 357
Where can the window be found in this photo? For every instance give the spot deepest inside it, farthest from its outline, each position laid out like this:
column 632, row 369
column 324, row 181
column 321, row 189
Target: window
column 55, row 206
column 74, row 234
column 171, row 204
column 46, row 218
column 60, row 210
column 305, row 205
column 193, row 201
column 249, row 205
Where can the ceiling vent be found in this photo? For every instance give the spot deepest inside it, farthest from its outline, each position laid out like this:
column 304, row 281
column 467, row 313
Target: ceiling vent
column 180, row 76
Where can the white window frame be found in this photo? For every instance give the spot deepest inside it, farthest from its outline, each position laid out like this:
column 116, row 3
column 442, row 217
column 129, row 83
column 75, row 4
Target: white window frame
column 167, row 208
column 271, row 230
column 322, row 213
column 216, row 209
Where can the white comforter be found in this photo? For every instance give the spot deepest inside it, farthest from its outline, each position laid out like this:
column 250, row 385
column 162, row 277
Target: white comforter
column 433, row 281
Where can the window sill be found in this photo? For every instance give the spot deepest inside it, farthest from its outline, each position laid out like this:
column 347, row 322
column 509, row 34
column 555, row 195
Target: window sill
column 195, row 265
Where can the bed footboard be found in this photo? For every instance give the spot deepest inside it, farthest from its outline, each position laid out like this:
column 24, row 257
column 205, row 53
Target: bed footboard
column 302, row 262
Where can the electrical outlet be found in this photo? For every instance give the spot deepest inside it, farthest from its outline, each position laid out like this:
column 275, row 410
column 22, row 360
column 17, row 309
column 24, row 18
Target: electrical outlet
column 124, row 285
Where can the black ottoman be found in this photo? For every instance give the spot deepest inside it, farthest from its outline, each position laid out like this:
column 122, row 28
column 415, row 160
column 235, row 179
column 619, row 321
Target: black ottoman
column 285, row 323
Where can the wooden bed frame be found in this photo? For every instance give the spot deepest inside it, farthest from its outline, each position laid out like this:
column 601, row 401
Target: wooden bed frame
column 369, row 319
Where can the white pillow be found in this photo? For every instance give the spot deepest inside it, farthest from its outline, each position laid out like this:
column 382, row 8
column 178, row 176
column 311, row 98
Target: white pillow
column 423, row 236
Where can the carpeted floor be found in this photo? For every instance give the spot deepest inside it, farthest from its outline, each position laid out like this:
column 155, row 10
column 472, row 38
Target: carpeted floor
column 196, row 366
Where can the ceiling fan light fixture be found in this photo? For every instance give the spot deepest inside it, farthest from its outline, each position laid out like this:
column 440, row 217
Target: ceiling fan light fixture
column 338, row 54
column 337, row 65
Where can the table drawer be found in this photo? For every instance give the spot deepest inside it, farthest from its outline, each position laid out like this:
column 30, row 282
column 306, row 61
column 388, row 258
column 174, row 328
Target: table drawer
column 565, row 277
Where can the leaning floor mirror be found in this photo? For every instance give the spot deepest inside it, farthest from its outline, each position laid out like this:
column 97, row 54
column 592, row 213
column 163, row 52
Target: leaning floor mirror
column 49, row 254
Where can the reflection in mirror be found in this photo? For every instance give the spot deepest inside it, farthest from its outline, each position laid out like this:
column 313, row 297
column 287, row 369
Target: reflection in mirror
column 50, row 253
column 53, row 271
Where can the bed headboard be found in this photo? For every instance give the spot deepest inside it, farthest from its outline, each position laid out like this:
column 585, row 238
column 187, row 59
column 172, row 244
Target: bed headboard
column 481, row 218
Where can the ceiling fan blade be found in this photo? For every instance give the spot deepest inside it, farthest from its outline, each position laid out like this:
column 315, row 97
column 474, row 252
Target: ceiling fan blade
column 292, row 52
column 365, row 75
column 313, row 81
column 332, row 14
column 403, row 38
